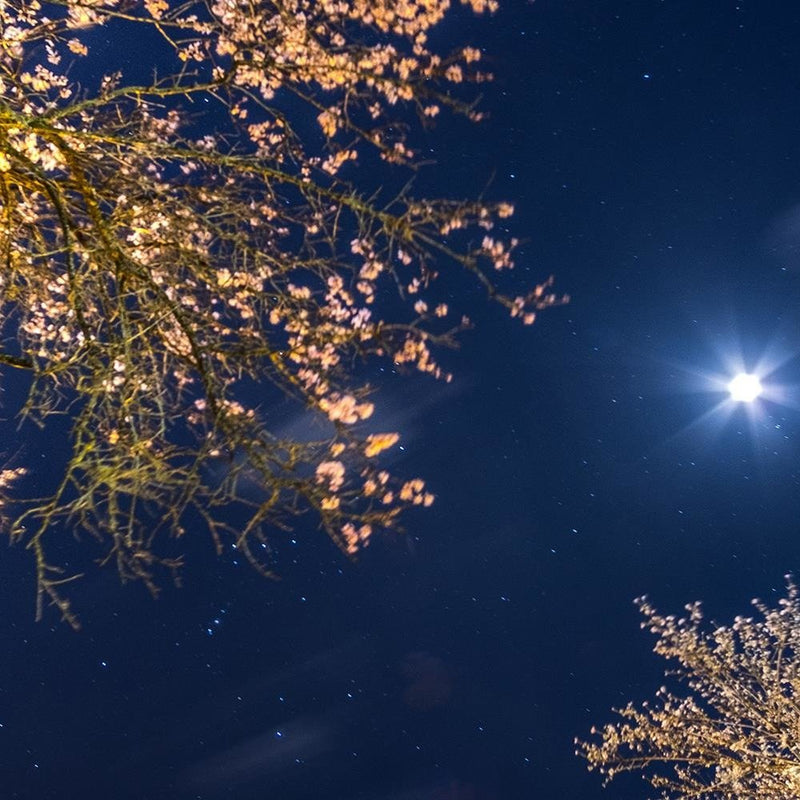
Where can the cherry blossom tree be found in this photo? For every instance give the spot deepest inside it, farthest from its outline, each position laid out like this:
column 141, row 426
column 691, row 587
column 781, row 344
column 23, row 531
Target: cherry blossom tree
column 173, row 245
column 735, row 736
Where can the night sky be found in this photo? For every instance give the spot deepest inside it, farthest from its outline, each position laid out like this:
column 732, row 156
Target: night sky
column 652, row 151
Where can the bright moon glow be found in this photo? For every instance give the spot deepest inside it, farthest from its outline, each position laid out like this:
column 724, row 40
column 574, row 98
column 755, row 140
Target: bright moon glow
column 744, row 388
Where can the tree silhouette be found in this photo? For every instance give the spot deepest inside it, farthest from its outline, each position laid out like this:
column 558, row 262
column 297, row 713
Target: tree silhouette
column 736, row 735
column 174, row 245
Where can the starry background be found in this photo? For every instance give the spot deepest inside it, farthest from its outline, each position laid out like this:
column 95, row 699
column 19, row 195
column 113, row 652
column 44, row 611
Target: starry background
column 652, row 151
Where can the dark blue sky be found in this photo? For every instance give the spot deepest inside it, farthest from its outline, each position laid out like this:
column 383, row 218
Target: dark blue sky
column 652, row 151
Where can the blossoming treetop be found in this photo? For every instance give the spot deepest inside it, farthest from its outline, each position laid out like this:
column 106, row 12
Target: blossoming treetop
column 167, row 243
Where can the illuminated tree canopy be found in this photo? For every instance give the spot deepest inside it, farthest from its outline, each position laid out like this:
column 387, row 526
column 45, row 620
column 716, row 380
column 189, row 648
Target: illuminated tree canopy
column 735, row 735
column 174, row 245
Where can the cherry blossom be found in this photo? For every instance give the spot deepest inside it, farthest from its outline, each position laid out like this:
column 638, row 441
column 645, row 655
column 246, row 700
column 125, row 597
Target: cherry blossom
column 178, row 254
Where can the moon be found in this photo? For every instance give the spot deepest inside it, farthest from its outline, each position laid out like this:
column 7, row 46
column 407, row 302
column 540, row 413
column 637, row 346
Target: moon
column 744, row 388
